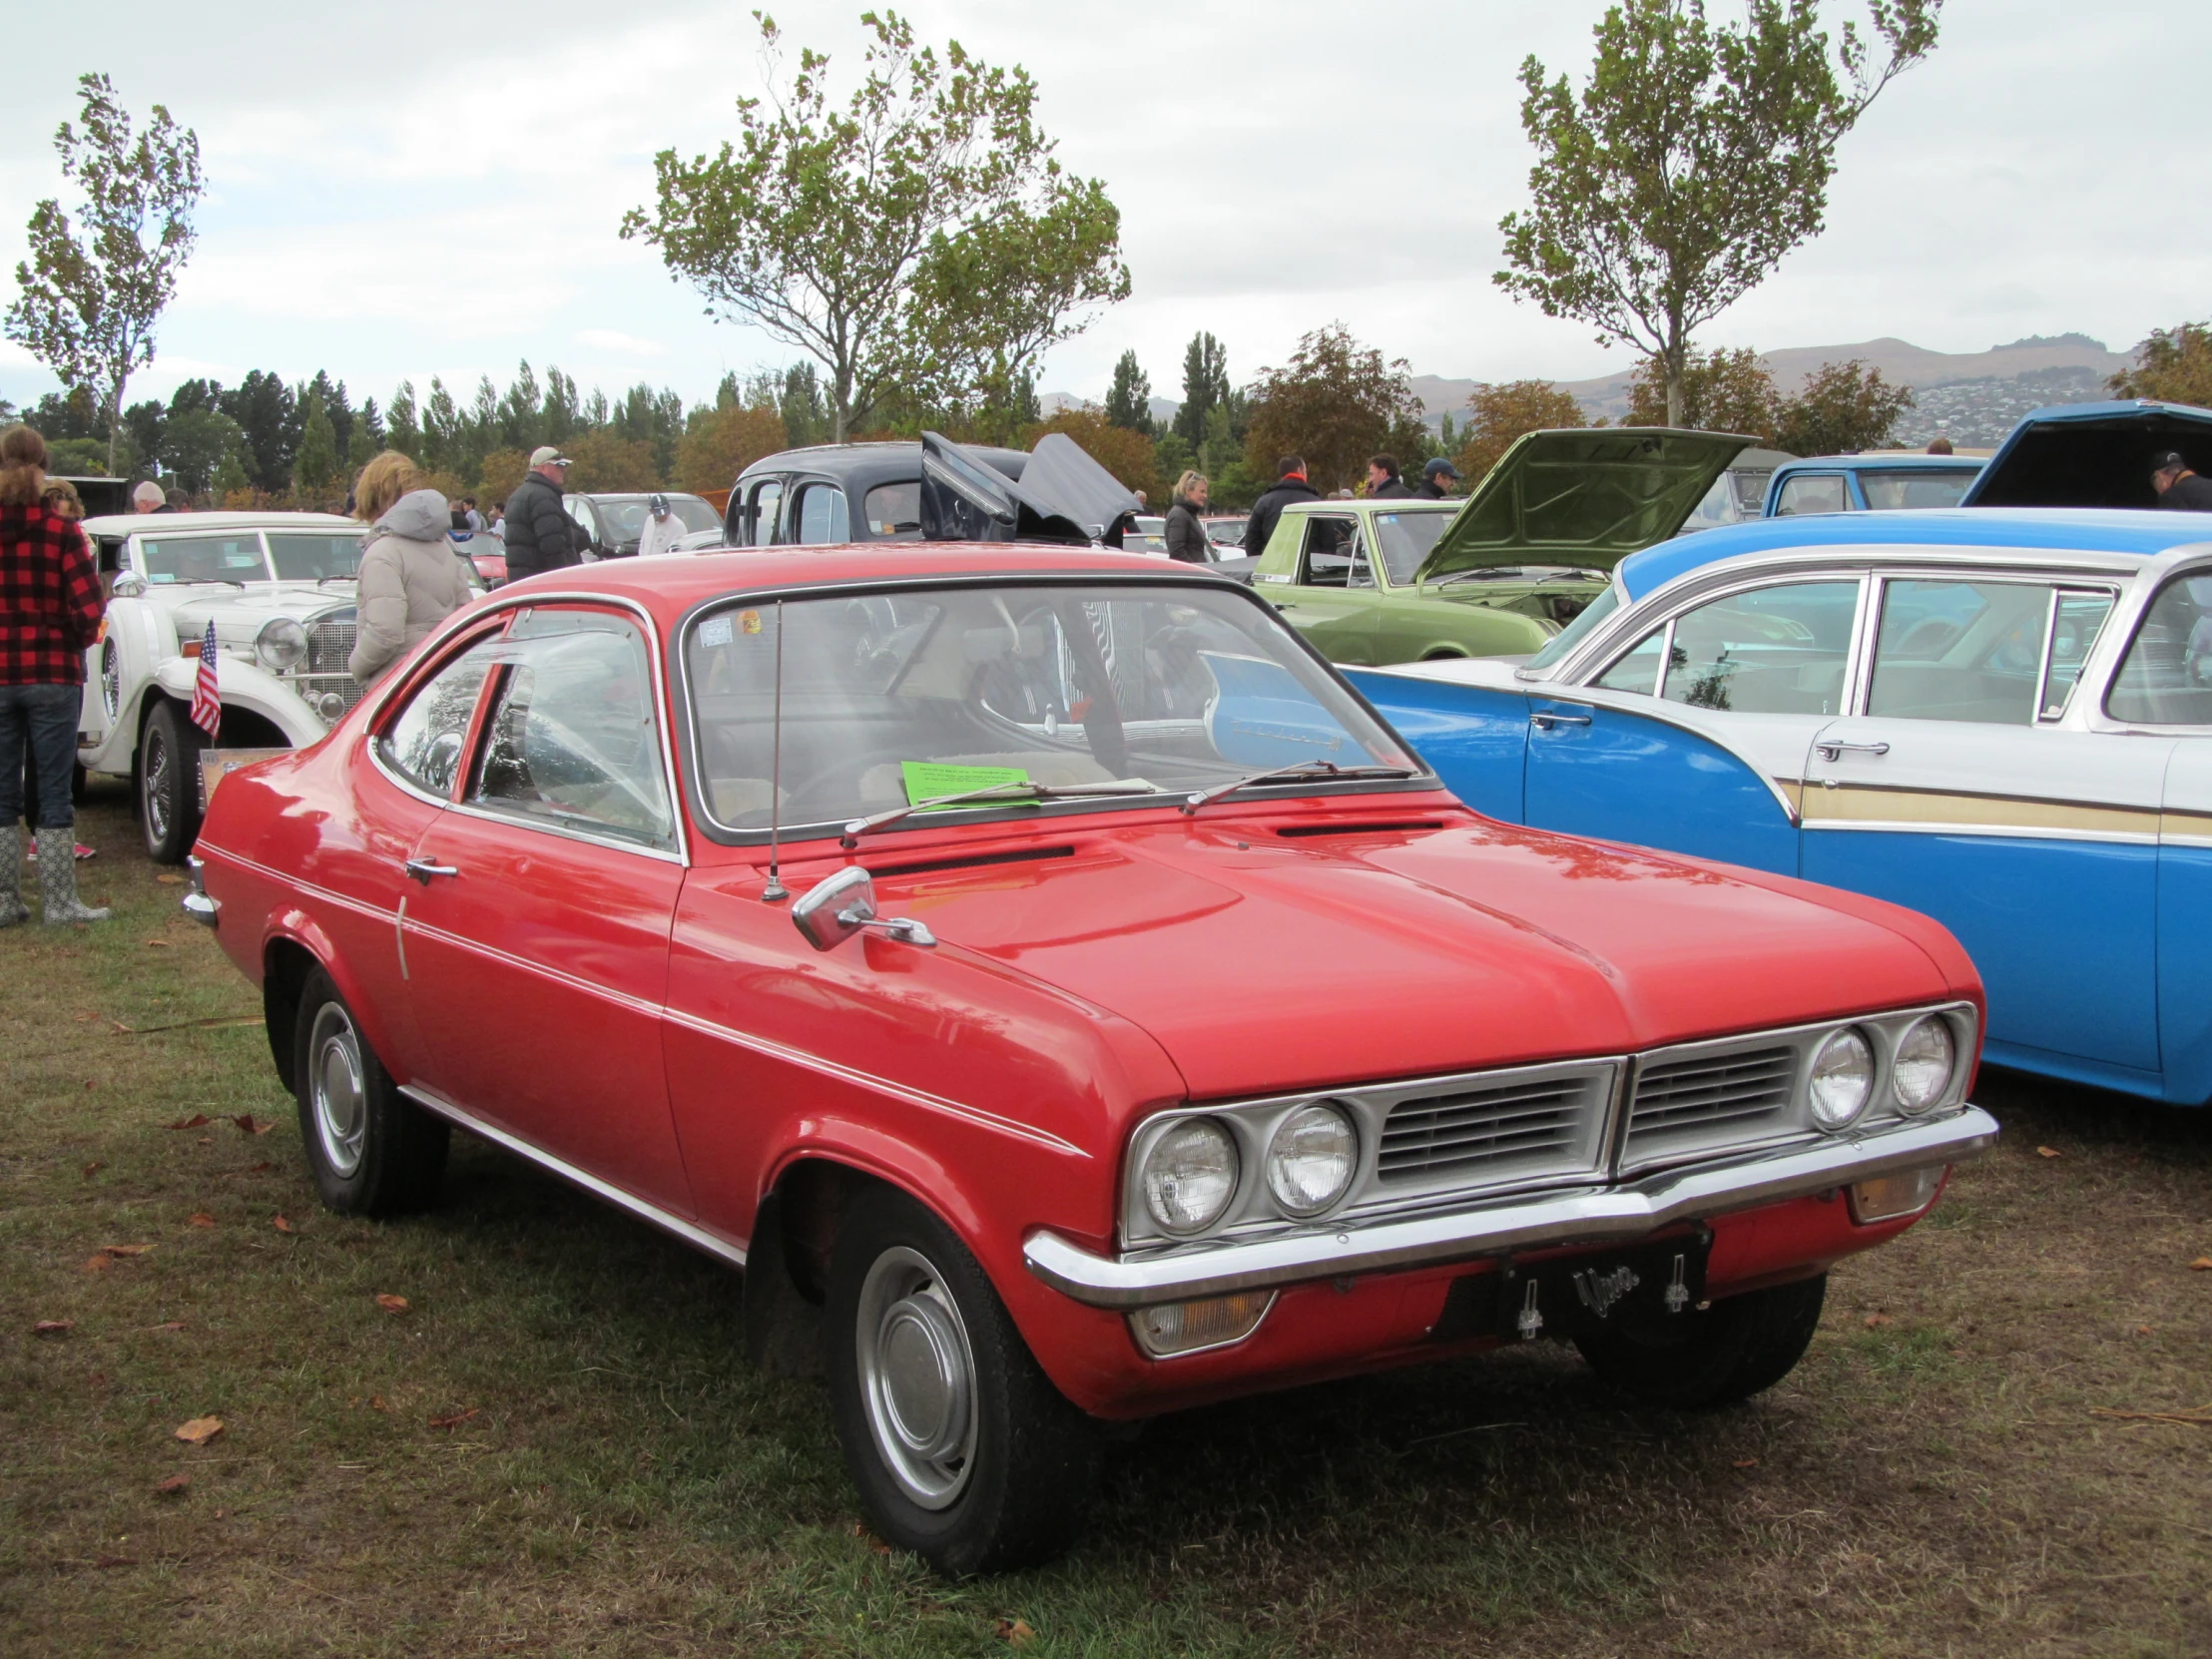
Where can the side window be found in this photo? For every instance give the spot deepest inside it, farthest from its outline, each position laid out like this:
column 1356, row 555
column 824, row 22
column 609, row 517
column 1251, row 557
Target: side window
column 424, row 742
column 1920, row 487
column 893, row 511
column 759, row 528
column 2166, row 677
column 1331, row 556
column 1639, row 670
column 1811, row 492
column 2074, row 628
column 572, row 741
column 1966, row 651
column 1772, row 651
column 824, row 519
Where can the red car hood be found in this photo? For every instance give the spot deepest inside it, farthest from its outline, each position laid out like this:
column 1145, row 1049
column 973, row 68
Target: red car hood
column 1262, row 962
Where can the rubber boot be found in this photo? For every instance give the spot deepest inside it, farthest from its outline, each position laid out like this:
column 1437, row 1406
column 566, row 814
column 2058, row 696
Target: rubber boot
column 57, row 879
column 12, row 907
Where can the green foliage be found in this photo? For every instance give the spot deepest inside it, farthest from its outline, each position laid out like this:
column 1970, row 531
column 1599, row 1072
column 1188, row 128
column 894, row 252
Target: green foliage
column 230, row 476
column 1204, row 384
column 1129, row 398
column 1716, row 391
column 919, row 243
column 1336, row 402
column 318, row 461
column 203, row 447
column 1842, row 407
column 1501, row 413
column 2174, row 367
column 87, row 307
column 1692, row 161
column 78, row 458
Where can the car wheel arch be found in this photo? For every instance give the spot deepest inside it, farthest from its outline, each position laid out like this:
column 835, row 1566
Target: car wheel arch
column 295, row 945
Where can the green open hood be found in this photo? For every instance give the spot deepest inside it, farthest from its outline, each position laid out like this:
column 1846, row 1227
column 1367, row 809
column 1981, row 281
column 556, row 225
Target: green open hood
column 1588, row 497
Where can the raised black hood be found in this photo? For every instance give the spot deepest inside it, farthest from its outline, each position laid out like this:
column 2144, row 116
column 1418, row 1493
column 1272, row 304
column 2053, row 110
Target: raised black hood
column 1063, row 495
column 2091, row 455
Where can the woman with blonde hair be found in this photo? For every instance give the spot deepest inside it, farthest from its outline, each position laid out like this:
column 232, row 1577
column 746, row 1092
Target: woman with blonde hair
column 50, row 610
column 411, row 578
column 1186, row 536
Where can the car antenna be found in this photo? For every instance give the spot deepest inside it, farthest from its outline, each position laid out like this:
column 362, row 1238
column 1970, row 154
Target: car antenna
column 776, row 893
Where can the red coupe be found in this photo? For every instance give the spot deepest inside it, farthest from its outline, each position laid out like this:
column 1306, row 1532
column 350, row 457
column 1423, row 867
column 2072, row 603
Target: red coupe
column 1069, row 1001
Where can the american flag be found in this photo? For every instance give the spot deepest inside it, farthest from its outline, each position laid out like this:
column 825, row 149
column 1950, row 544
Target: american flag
column 206, row 705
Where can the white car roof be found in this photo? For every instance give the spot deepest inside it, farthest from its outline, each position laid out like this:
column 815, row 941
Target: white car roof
column 170, row 524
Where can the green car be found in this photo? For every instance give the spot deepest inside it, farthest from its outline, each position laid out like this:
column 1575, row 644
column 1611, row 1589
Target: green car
column 1495, row 575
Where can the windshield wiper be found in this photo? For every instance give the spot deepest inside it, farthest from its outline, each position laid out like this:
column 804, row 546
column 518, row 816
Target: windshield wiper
column 1020, row 794
column 1328, row 770
column 341, row 576
column 1483, row 573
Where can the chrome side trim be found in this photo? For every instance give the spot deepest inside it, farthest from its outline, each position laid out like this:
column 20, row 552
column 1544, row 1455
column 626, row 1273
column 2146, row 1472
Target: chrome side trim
column 697, row 1237
column 1593, row 1216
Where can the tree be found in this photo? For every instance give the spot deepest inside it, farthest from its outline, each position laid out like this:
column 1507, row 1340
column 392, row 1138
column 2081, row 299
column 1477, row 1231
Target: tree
column 265, row 407
column 1129, row 398
column 1204, row 384
column 87, row 309
column 1842, row 407
column 318, row 461
column 501, row 474
column 605, row 461
column 1336, row 402
column 1694, row 160
column 2174, row 367
column 196, row 445
column 1499, row 413
column 1718, row 392
column 1129, row 457
column 821, row 223
column 721, row 443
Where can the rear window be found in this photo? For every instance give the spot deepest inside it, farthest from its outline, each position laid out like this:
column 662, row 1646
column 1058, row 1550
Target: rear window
column 1888, row 491
column 893, row 511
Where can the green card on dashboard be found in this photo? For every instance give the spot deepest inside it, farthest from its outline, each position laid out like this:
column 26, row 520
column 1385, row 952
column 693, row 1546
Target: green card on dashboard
column 927, row 779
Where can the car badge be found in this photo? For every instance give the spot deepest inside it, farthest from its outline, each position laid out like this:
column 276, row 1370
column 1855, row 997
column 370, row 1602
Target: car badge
column 1599, row 1291
column 1530, row 1320
column 1678, row 1293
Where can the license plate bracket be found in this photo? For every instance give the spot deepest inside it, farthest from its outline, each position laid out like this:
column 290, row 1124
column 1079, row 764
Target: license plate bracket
column 1645, row 1289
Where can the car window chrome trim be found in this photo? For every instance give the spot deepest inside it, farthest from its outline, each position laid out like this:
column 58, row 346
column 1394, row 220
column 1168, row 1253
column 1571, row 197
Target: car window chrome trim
column 643, row 1209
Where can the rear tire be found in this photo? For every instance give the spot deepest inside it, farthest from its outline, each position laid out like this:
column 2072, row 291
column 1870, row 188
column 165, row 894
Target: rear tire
column 962, row 1450
column 1728, row 1351
column 373, row 1151
column 168, row 783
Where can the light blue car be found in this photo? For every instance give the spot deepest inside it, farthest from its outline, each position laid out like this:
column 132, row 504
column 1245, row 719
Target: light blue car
column 2001, row 718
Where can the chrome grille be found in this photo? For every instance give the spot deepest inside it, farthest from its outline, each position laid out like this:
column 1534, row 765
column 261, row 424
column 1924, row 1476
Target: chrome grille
column 1474, row 1130
column 329, row 647
column 1738, row 1096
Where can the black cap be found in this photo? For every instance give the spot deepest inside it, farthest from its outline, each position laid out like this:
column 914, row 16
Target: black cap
column 1440, row 469
column 2166, row 458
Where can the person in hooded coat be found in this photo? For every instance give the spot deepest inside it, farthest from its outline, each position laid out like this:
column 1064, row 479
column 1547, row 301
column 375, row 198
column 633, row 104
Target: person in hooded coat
column 411, row 578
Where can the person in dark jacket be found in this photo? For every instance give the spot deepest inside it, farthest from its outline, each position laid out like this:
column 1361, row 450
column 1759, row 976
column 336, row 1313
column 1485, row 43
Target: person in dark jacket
column 1185, row 535
column 1436, row 479
column 1383, row 480
column 2178, row 486
column 1290, row 486
column 540, row 534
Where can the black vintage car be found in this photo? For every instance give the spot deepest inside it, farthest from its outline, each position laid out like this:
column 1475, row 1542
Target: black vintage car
column 927, row 491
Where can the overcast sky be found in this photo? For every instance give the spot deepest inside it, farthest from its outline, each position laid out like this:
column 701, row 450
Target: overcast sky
column 415, row 188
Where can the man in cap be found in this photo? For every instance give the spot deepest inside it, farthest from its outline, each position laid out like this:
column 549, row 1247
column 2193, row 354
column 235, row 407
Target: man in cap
column 657, row 535
column 540, row 534
column 2178, row 486
column 1436, row 479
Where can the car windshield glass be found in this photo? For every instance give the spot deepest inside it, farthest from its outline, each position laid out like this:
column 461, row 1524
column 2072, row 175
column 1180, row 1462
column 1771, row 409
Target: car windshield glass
column 236, row 558
column 311, row 558
column 894, row 510
column 1404, row 540
column 1576, row 632
column 1890, row 491
column 624, row 521
column 1229, row 530
column 892, row 697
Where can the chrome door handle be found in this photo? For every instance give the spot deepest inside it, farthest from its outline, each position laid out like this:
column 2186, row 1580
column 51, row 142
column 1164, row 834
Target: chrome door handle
column 1833, row 751
column 423, row 868
column 1546, row 721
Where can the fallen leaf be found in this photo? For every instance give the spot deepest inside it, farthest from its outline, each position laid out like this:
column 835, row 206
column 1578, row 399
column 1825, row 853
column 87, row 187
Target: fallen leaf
column 1873, row 1319
column 199, row 1431
column 94, row 1168
column 1015, row 1632
column 244, row 1120
column 174, row 1484
column 98, row 1264
column 82, row 1018
column 2142, row 1330
column 376, row 1404
column 282, row 1225
column 2049, row 1151
column 157, row 945
column 2203, row 1264
column 170, row 881
column 1746, row 1462
column 124, row 1249
column 203, row 1219
column 196, row 1121
column 91, row 1083
column 392, row 1304
column 173, row 1324
column 54, row 1327
column 255, row 1169
column 456, row 1418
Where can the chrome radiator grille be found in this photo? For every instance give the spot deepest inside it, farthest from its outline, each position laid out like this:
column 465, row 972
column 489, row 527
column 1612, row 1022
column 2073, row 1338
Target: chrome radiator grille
column 1740, row 1096
column 329, row 645
column 1484, row 1132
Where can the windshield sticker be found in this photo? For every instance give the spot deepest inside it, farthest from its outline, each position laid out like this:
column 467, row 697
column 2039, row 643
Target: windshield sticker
column 714, row 630
column 927, row 779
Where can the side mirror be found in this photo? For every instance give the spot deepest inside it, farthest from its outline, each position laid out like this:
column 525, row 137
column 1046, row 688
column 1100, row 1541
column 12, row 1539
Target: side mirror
column 129, row 585
column 831, row 912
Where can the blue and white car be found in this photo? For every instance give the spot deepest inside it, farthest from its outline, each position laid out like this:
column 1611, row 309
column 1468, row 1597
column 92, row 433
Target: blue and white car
column 2000, row 718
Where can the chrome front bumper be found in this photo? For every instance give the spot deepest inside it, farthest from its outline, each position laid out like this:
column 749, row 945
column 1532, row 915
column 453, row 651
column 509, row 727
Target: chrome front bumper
column 1603, row 1215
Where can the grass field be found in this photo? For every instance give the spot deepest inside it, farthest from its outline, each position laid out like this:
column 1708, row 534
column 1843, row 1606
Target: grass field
column 554, row 1448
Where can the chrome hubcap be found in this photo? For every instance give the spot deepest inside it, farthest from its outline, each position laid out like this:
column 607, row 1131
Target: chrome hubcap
column 340, row 1089
column 917, row 1378
column 155, row 767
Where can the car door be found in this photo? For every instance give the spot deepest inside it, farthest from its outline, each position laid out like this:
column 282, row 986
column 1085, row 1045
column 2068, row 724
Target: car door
column 1333, row 598
column 1702, row 747
column 538, row 937
column 1956, row 791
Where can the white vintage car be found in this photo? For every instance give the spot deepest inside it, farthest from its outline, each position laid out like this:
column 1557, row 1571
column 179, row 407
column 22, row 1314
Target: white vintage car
column 280, row 590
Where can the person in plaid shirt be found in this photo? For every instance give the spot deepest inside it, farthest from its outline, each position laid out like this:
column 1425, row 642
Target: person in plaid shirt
column 50, row 609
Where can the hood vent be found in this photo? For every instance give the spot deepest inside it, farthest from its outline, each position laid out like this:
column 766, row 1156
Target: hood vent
column 1012, row 855
column 1302, row 832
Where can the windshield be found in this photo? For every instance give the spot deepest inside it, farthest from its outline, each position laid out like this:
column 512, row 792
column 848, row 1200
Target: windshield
column 624, row 521
column 889, row 699
column 311, row 558
column 1576, row 632
column 1404, row 540
column 1923, row 487
column 232, row 558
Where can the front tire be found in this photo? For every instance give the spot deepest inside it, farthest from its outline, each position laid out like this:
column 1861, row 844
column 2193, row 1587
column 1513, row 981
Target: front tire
column 373, row 1151
column 962, row 1450
column 1726, row 1353
column 168, row 783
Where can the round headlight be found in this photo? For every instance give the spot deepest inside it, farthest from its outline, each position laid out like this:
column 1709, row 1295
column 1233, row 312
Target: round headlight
column 1190, row 1175
column 281, row 644
column 1311, row 1159
column 1923, row 1064
column 1843, row 1078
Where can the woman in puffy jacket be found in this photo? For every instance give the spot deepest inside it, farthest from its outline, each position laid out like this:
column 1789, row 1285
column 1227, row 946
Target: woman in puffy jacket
column 411, row 578
column 1185, row 535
